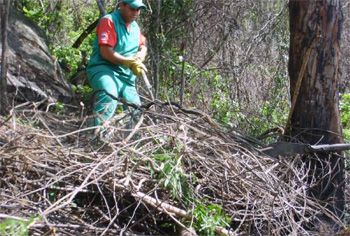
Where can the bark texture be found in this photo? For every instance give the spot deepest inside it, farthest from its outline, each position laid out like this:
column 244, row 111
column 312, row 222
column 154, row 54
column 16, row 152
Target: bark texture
column 4, row 12
column 33, row 74
column 314, row 71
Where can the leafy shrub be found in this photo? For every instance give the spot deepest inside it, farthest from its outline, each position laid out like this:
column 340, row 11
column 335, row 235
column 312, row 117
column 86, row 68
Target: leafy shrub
column 345, row 115
column 12, row 227
column 208, row 218
column 172, row 175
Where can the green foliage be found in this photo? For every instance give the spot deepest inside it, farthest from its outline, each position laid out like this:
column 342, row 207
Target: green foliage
column 63, row 22
column 48, row 16
column 346, row 134
column 172, row 175
column 70, row 57
column 12, row 227
column 208, row 217
column 52, row 196
column 85, row 92
column 58, row 107
column 225, row 111
column 173, row 178
column 345, row 115
column 273, row 112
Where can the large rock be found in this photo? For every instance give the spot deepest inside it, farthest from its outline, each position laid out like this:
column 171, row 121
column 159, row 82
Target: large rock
column 33, row 74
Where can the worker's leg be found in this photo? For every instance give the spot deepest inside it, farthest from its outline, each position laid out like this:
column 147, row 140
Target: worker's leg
column 130, row 94
column 104, row 106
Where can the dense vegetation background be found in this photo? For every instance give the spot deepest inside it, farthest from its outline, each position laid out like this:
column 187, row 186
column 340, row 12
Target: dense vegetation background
column 231, row 55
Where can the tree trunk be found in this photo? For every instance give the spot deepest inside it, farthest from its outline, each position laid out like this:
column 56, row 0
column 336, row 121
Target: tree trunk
column 155, row 48
column 4, row 12
column 314, row 76
column 101, row 7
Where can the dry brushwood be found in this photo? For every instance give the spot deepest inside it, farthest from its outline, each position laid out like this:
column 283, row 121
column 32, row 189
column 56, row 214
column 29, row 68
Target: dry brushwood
column 51, row 169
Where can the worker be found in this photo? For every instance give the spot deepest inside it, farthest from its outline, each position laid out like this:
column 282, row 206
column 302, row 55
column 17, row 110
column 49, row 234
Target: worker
column 117, row 60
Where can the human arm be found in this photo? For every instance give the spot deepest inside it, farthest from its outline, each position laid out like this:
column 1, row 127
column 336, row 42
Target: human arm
column 113, row 57
column 107, row 41
column 108, row 53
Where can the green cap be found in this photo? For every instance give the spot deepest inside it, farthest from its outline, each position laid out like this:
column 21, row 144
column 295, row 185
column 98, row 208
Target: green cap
column 135, row 4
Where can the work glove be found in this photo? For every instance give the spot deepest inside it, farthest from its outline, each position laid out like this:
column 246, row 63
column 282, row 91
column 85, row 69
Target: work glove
column 135, row 66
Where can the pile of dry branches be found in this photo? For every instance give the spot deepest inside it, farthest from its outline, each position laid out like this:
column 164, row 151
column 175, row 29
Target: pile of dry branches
column 53, row 172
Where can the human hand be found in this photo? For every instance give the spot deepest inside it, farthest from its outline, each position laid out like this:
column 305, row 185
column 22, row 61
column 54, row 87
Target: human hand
column 135, row 66
column 128, row 61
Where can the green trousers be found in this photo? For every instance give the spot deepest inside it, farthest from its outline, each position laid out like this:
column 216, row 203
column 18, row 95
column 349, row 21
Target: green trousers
column 104, row 107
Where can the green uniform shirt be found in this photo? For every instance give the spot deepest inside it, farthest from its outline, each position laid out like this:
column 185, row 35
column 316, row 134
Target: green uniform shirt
column 128, row 42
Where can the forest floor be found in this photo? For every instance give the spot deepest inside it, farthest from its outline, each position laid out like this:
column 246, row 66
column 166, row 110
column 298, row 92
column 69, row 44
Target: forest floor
column 176, row 171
